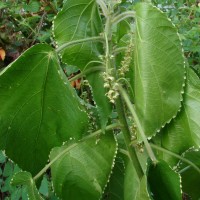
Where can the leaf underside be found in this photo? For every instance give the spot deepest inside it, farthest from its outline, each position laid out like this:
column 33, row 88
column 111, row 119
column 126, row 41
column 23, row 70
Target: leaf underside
column 159, row 68
column 39, row 109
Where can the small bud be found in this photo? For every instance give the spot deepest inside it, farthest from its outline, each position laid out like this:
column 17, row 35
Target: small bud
column 110, row 78
column 106, row 85
column 101, row 57
column 112, row 56
column 115, row 95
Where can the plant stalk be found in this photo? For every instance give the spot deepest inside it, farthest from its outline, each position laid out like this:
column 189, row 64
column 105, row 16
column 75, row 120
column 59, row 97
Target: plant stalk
column 87, row 71
column 123, row 16
column 119, row 104
column 103, row 7
column 127, row 138
column 74, row 42
column 134, row 114
column 176, row 156
column 94, row 134
column 119, row 50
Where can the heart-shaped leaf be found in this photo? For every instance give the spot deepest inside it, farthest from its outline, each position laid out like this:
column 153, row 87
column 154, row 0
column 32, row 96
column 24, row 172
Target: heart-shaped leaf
column 39, row 109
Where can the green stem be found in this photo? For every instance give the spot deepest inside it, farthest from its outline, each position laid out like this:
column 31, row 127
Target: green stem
column 94, row 134
column 119, row 50
column 184, row 169
column 119, row 104
column 74, row 42
column 103, row 7
column 176, row 156
column 127, row 138
column 108, row 24
column 137, row 122
column 107, row 56
column 123, row 16
column 88, row 71
column 125, row 152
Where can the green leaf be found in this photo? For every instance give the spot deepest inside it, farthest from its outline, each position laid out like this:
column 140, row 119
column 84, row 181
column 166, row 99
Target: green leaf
column 2, row 157
column 159, row 68
column 84, row 169
column 102, row 103
column 8, row 169
column 184, row 131
column 3, row 5
column 134, row 188
column 77, row 20
column 164, row 183
column 115, row 187
column 39, row 109
column 44, row 188
column 25, row 178
column 33, row 6
column 189, row 176
column 16, row 194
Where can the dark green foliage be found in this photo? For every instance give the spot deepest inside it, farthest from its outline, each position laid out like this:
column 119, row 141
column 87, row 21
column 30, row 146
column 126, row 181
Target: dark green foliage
column 133, row 94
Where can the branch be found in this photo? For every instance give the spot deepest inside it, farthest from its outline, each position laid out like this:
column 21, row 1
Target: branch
column 87, row 71
column 94, row 134
column 103, row 7
column 127, row 138
column 74, row 42
column 176, row 156
column 123, row 16
column 139, row 126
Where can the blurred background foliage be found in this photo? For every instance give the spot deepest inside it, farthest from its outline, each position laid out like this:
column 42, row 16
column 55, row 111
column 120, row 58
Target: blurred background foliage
column 24, row 23
column 186, row 17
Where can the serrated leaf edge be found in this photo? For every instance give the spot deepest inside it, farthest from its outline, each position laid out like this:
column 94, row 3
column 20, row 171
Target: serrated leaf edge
column 184, row 78
column 180, row 162
column 112, row 166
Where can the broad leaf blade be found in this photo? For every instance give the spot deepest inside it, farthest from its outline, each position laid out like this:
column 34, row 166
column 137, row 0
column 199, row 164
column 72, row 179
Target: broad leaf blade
column 159, row 68
column 134, row 188
column 77, row 20
column 164, row 183
column 190, row 176
column 115, row 187
column 184, row 131
column 102, row 103
column 25, row 178
column 84, row 170
column 39, row 110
